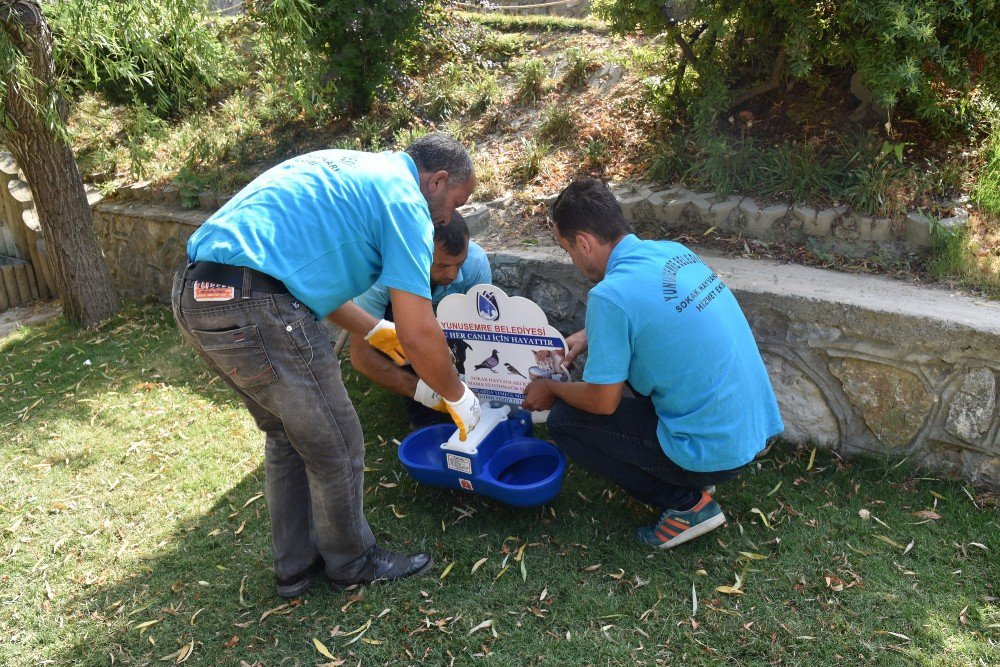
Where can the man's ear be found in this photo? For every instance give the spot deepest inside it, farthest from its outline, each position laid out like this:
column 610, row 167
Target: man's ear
column 584, row 242
column 438, row 182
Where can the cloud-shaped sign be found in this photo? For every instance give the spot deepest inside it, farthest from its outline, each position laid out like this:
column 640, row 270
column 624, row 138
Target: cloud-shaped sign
column 501, row 343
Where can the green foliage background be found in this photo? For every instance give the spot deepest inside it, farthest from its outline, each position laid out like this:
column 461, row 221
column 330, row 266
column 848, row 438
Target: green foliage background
column 929, row 56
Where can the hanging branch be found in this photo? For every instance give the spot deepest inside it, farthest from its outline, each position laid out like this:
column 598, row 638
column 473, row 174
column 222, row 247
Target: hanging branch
column 766, row 86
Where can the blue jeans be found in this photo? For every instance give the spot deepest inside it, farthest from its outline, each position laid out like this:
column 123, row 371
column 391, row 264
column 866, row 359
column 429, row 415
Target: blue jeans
column 271, row 350
column 624, row 448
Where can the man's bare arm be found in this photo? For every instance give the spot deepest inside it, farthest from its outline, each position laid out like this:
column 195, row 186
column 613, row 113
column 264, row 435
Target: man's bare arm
column 601, row 399
column 380, row 369
column 424, row 343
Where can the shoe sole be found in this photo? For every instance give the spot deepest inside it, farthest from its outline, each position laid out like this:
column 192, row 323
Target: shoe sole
column 294, row 591
column 695, row 531
column 341, row 586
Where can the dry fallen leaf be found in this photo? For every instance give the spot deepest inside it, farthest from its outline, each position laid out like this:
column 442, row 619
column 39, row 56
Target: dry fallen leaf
column 479, row 564
column 323, row 650
column 592, row 568
column 927, row 514
column 482, row 626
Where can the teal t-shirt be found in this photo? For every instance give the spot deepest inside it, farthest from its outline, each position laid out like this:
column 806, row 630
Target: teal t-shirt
column 662, row 320
column 475, row 271
column 328, row 224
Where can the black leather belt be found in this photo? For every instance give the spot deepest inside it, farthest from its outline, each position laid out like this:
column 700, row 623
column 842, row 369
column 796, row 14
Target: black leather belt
column 239, row 277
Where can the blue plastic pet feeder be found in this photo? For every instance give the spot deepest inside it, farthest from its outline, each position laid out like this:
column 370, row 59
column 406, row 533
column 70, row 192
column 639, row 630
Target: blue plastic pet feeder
column 498, row 459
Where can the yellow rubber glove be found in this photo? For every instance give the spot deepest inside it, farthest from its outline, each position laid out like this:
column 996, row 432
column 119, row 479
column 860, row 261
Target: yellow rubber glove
column 427, row 396
column 466, row 412
column 383, row 338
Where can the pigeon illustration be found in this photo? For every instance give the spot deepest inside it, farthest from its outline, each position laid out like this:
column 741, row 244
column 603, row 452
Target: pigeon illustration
column 513, row 371
column 489, row 362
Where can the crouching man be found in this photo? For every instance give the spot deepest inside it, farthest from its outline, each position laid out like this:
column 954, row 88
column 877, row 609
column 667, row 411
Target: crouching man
column 458, row 264
column 662, row 321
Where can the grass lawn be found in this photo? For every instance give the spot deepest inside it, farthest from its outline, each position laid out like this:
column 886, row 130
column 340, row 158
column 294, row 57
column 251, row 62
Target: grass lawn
column 133, row 531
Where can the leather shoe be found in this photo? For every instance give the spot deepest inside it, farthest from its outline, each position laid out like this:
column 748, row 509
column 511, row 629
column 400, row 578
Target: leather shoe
column 383, row 565
column 297, row 584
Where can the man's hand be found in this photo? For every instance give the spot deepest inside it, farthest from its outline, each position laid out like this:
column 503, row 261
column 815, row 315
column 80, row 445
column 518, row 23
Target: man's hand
column 538, row 395
column 577, row 344
column 424, row 394
column 383, row 338
column 466, row 412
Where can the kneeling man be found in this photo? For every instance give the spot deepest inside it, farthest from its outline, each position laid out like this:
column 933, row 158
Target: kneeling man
column 662, row 321
column 458, row 265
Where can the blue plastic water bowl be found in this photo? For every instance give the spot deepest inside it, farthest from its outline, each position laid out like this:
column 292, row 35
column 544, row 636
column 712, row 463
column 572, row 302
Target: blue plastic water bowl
column 508, row 464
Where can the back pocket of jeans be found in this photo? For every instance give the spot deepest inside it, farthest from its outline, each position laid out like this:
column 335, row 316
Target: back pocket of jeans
column 241, row 355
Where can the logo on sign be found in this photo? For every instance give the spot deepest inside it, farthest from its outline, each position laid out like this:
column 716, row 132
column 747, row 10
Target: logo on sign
column 486, row 304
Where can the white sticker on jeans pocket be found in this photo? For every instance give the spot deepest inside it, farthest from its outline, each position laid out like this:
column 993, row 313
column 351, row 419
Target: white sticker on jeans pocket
column 460, row 463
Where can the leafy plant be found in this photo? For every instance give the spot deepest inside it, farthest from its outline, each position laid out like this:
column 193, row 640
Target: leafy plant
column 578, row 64
column 490, row 182
column 167, row 56
column 595, row 153
column 925, row 55
column 531, row 161
column 446, row 93
column 531, row 77
column 558, row 123
column 484, row 92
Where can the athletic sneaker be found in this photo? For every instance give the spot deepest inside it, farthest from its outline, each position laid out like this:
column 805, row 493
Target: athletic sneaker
column 710, row 490
column 384, row 565
column 675, row 527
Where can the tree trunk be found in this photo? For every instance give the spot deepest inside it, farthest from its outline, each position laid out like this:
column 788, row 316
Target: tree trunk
column 44, row 155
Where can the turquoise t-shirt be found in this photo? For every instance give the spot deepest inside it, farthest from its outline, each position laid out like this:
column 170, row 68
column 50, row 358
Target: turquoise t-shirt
column 328, row 224
column 664, row 321
column 475, row 271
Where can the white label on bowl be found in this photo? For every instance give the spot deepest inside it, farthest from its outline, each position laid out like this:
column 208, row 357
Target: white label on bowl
column 460, row 463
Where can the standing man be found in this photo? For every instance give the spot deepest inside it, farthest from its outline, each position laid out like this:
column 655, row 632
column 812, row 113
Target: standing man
column 459, row 264
column 661, row 320
column 297, row 244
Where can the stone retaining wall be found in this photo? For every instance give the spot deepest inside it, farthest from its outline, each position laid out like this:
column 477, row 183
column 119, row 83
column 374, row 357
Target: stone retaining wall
column 837, row 230
column 144, row 244
column 571, row 8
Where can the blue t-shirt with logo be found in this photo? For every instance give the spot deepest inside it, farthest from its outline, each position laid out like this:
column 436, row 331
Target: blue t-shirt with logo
column 475, row 271
column 664, row 321
column 328, row 224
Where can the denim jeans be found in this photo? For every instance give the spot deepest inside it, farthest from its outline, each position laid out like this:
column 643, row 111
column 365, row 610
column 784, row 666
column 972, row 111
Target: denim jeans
column 271, row 350
column 623, row 447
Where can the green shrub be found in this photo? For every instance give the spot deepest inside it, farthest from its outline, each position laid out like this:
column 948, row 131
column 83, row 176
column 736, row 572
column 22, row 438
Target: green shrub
column 927, row 56
column 531, row 161
column 366, row 43
column 167, row 56
column 578, row 64
column 485, row 91
column 446, row 93
column 531, row 77
column 558, row 123
column 595, row 153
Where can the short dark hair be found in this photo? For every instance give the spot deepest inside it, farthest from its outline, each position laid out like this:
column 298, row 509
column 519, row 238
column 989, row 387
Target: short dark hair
column 441, row 152
column 453, row 237
column 587, row 205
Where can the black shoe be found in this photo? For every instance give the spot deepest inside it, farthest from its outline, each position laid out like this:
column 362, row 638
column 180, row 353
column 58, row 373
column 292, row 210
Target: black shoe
column 296, row 585
column 383, row 565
